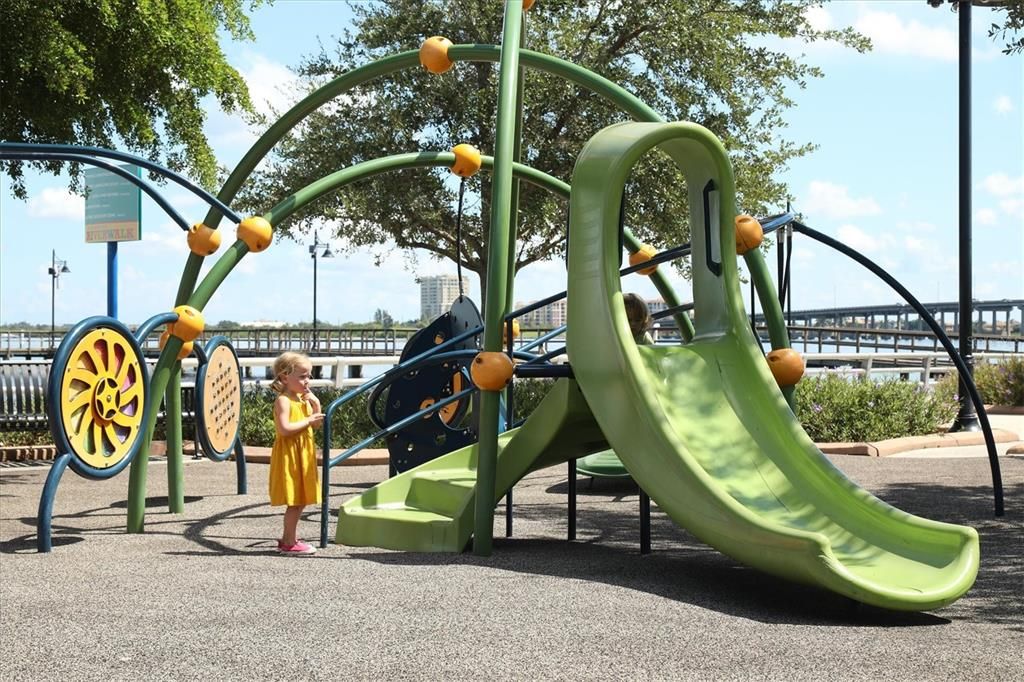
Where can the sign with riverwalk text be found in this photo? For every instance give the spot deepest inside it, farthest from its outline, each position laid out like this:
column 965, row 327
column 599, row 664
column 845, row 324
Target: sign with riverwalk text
column 113, row 206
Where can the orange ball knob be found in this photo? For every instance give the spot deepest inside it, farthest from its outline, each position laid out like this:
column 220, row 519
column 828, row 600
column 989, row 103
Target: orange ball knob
column 186, row 348
column 504, row 331
column 190, row 323
column 467, row 160
column 786, row 365
column 642, row 255
column 203, row 240
column 256, row 232
column 434, row 54
column 749, row 234
column 491, row 371
column 527, row 4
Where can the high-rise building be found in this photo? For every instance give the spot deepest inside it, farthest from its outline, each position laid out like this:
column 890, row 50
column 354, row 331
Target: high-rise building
column 437, row 292
column 656, row 305
column 550, row 316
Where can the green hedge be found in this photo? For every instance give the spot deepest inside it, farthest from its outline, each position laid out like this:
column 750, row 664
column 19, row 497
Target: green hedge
column 1000, row 383
column 833, row 408
column 349, row 425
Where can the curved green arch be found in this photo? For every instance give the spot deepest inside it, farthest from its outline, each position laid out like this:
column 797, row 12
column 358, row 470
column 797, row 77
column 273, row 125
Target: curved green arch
column 329, row 183
column 583, row 77
column 598, row 84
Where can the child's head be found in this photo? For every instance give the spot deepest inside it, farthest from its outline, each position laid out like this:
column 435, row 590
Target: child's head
column 291, row 373
column 637, row 314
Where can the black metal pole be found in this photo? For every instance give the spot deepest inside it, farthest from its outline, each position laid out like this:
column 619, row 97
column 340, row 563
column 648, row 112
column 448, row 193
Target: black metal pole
column 314, row 292
column 53, row 294
column 572, row 499
column 645, row 523
column 967, row 419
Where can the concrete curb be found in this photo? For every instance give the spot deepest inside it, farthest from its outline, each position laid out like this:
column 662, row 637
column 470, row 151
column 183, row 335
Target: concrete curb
column 893, row 446
column 158, row 448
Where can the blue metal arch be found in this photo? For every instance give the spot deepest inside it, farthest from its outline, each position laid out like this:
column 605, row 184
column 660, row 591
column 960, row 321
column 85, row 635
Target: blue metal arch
column 19, row 148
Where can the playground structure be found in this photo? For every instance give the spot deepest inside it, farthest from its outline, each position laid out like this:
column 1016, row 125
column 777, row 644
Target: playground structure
column 703, row 427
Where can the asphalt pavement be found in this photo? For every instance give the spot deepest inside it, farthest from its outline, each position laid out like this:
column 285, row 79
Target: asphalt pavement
column 203, row 595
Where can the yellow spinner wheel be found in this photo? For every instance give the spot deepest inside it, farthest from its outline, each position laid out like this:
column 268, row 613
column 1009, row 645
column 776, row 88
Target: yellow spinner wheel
column 102, row 396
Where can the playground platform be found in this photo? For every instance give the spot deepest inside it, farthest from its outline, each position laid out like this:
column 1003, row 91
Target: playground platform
column 203, row 594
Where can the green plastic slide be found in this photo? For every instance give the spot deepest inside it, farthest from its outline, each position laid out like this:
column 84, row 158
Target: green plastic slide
column 704, row 429
column 430, row 508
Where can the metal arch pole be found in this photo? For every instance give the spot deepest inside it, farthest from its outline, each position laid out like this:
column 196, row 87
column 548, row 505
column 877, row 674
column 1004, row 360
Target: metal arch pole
column 967, row 418
column 44, row 518
column 947, row 345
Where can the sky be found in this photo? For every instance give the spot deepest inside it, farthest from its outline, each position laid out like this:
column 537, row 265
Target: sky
column 883, row 180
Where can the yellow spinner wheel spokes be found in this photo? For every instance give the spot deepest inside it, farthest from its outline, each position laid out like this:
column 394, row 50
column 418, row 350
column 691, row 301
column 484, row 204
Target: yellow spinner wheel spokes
column 102, row 398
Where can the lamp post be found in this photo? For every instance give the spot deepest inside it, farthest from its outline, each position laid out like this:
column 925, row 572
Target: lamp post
column 57, row 268
column 315, row 255
column 967, row 418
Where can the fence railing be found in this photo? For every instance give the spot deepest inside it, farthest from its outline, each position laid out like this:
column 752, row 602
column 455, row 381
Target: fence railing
column 23, row 383
column 269, row 342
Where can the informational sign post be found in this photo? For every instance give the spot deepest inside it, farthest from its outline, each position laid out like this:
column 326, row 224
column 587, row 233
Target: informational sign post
column 113, row 208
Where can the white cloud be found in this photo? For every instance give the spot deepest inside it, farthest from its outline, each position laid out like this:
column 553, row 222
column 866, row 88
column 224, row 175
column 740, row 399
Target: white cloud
column 858, row 239
column 889, row 34
column 1012, row 207
column 916, row 226
column 1003, row 104
column 270, row 84
column 818, row 18
column 57, row 202
column 915, row 245
column 986, row 216
column 164, row 239
column 1002, row 185
column 834, row 201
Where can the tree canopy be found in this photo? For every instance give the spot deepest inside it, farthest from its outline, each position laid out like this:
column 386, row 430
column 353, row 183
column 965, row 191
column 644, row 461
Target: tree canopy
column 118, row 73
column 710, row 61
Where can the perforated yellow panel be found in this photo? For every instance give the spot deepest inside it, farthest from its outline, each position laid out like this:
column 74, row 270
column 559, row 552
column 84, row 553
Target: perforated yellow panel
column 222, row 398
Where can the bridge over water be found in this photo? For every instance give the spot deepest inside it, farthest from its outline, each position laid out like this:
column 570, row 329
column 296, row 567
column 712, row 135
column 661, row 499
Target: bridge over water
column 868, row 328
column 995, row 317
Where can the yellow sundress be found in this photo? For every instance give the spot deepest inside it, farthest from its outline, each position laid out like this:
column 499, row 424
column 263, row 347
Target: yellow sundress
column 294, row 479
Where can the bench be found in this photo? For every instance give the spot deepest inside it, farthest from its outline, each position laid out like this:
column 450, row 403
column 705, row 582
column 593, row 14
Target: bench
column 23, row 396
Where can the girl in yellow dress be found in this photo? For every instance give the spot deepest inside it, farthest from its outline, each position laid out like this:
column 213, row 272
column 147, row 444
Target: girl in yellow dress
column 294, row 482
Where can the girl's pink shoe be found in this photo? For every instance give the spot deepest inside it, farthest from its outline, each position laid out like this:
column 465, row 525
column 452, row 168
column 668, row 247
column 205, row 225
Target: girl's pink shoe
column 298, row 549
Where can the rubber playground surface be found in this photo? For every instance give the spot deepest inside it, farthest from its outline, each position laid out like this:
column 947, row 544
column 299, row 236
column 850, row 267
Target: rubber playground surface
column 203, row 594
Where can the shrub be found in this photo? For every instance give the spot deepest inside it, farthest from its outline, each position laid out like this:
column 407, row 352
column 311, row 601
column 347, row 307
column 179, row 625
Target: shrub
column 999, row 383
column 837, row 409
column 349, row 424
column 528, row 393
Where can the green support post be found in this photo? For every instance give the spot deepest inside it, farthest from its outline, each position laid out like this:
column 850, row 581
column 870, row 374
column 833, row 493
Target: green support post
column 139, row 467
column 175, row 455
column 501, row 235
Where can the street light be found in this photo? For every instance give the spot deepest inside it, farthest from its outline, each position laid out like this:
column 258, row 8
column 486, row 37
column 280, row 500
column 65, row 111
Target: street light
column 57, row 268
column 315, row 255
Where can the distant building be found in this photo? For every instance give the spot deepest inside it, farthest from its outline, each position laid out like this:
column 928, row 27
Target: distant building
column 437, row 292
column 550, row 316
column 264, row 324
column 656, row 305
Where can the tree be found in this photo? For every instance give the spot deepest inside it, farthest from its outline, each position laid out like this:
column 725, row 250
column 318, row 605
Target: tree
column 700, row 60
column 1010, row 30
column 118, row 73
column 383, row 318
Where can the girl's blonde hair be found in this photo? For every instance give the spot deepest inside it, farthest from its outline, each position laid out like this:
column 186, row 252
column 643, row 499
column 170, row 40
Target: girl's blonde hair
column 284, row 365
column 638, row 315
